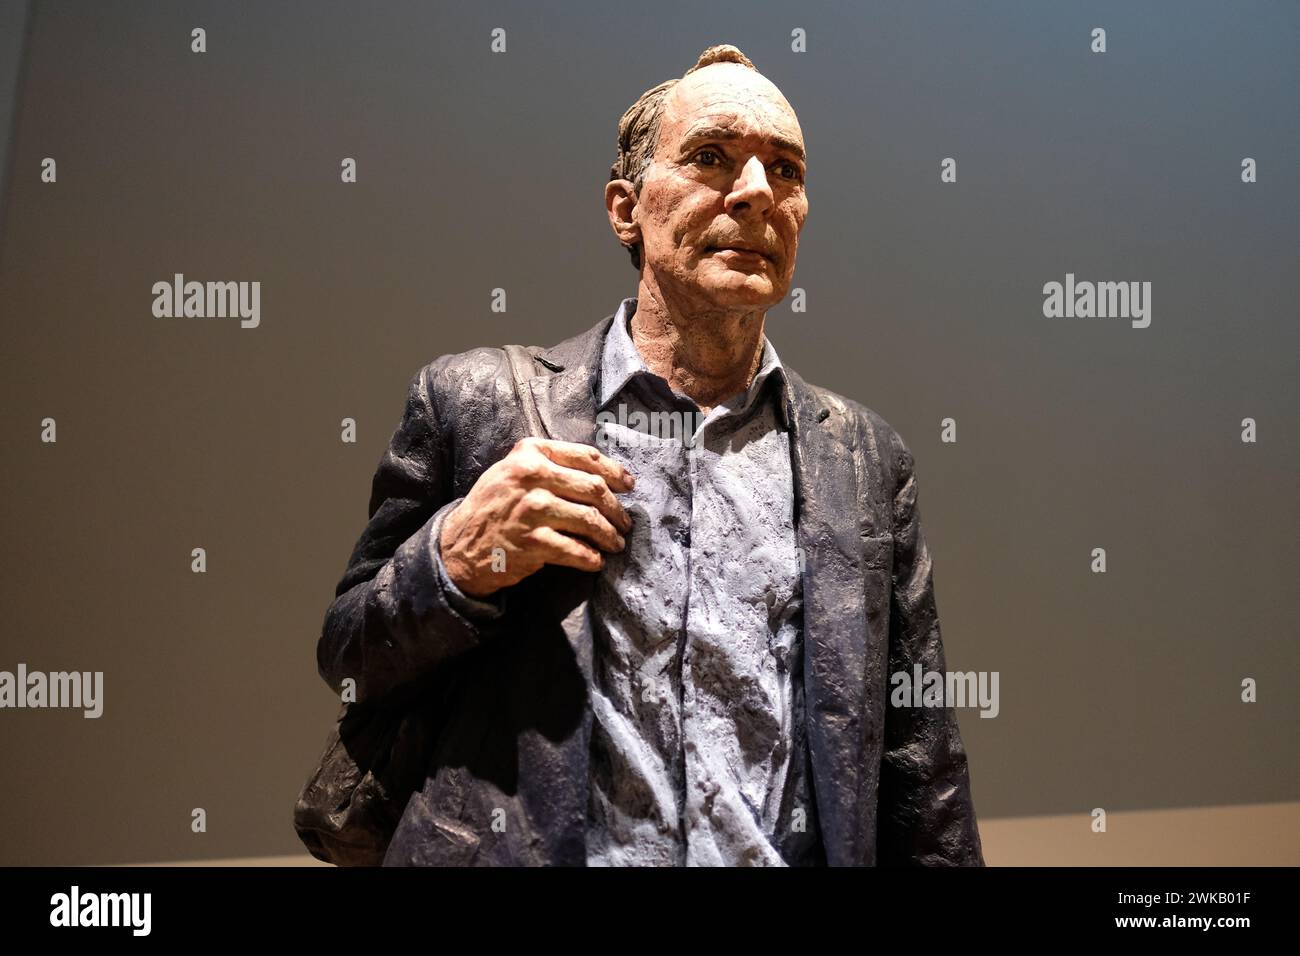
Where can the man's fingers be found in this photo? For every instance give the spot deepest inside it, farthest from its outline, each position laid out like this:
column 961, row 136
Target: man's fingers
column 586, row 521
column 587, row 489
column 545, row 508
column 558, row 548
column 585, row 458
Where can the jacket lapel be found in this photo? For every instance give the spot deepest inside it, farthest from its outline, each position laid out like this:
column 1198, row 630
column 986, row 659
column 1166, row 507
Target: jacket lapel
column 558, row 764
column 835, row 621
column 566, row 399
column 566, row 404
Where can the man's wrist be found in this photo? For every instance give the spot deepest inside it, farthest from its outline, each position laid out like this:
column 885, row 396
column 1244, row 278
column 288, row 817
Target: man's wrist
column 485, row 608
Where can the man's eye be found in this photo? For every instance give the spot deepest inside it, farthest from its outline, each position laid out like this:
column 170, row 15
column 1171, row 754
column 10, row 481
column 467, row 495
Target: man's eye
column 794, row 173
column 707, row 152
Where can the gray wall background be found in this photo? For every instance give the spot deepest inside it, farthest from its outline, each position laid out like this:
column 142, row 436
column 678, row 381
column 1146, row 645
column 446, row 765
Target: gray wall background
column 480, row 171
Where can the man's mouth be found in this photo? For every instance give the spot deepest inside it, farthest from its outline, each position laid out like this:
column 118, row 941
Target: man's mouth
column 746, row 249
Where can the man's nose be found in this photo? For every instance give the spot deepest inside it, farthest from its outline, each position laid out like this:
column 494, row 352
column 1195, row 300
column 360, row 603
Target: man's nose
column 751, row 189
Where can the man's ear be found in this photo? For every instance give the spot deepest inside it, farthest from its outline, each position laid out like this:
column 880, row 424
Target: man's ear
column 620, row 201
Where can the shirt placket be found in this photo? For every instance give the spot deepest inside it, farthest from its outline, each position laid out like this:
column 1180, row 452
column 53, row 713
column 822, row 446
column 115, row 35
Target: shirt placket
column 700, row 787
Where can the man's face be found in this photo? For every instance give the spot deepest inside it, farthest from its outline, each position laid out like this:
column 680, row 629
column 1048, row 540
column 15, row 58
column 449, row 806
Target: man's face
column 727, row 176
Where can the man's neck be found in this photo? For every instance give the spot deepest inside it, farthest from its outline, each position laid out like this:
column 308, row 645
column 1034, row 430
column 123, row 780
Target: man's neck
column 706, row 353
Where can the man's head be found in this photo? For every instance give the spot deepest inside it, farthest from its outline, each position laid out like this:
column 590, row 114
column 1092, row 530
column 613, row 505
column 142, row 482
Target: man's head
column 710, row 165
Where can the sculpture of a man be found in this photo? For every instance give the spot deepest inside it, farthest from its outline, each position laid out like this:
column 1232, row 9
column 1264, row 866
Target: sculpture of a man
column 660, row 631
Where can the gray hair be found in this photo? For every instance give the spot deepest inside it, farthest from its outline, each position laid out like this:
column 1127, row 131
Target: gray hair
column 638, row 130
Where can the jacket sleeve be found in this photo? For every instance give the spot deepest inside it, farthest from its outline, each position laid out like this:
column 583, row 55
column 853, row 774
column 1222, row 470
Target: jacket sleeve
column 392, row 621
column 926, row 813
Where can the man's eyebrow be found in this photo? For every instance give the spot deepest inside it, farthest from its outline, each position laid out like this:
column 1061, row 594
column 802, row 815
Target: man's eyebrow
column 723, row 132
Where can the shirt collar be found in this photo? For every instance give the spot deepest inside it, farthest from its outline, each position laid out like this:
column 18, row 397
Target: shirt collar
column 620, row 362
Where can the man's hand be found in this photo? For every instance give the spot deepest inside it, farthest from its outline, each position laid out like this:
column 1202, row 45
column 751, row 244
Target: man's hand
column 547, row 502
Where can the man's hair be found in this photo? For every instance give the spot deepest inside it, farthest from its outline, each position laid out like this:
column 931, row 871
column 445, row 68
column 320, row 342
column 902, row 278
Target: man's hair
column 638, row 130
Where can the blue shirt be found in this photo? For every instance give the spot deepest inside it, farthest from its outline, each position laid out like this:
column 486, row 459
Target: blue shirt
column 697, row 746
